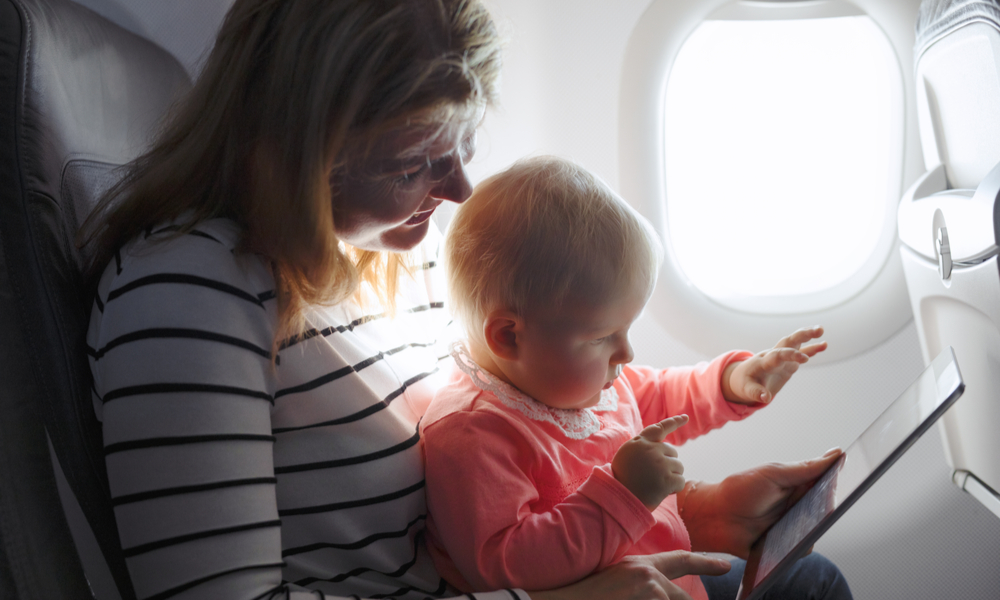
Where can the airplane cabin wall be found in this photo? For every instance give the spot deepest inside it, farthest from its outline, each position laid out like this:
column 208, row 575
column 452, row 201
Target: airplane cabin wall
column 914, row 535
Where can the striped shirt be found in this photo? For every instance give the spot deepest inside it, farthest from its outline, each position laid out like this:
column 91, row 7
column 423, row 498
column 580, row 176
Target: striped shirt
column 235, row 478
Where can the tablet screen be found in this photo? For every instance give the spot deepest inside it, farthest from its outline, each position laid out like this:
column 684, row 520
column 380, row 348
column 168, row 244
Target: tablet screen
column 864, row 461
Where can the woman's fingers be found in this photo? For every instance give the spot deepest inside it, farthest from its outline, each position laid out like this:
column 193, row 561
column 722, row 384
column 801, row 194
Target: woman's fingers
column 645, row 577
column 789, row 475
column 679, row 563
column 657, row 432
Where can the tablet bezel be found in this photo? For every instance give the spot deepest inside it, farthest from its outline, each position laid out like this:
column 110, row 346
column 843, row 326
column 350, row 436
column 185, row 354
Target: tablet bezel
column 939, row 366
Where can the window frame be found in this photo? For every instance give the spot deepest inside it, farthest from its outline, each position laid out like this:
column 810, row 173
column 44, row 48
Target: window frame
column 856, row 321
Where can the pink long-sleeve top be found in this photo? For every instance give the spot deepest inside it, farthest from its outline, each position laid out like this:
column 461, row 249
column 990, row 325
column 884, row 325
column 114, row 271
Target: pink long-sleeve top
column 522, row 495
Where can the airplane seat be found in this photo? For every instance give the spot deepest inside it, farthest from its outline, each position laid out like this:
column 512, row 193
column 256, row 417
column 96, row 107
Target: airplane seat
column 949, row 225
column 79, row 96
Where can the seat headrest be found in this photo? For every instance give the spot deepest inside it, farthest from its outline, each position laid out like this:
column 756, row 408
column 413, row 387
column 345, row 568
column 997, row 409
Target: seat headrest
column 93, row 97
column 957, row 76
column 938, row 18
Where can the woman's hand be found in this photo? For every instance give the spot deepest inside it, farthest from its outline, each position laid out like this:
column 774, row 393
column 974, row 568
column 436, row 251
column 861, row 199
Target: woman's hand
column 757, row 379
column 730, row 515
column 639, row 578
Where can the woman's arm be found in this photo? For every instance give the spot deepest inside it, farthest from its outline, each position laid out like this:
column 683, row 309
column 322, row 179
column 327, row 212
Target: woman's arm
column 179, row 345
column 730, row 515
column 640, row 578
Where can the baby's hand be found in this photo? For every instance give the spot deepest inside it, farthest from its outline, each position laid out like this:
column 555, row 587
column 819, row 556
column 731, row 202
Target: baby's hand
column 760, row 377
column 647, row 466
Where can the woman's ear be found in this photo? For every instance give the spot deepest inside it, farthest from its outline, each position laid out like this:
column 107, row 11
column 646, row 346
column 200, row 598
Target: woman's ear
column 501, row 329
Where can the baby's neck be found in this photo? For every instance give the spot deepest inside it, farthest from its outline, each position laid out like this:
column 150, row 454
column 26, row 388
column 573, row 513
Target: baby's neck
column 484, row 358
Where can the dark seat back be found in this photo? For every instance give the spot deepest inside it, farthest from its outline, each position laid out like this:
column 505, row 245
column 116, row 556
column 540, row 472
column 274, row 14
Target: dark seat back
column 79, row 96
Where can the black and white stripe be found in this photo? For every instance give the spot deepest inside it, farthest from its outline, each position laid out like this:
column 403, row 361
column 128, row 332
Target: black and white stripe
column 232, row 474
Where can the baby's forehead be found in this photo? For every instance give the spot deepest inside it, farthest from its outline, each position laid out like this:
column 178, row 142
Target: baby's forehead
column 595, row 309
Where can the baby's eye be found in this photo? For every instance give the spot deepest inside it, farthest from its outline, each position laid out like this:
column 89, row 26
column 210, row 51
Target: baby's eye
column 600, row 340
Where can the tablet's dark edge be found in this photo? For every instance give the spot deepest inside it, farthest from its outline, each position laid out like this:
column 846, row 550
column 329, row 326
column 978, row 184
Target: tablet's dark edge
column 799, row 550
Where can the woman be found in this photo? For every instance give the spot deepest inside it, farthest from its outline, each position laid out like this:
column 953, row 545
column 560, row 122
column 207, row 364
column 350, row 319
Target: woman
column 259, row 402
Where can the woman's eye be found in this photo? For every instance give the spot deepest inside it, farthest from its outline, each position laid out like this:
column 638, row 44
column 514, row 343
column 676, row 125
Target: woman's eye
column 434, row 171
column 411, row 176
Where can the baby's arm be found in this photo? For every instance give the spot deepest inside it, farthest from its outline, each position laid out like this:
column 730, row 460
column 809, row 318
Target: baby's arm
column 757, row 379
column 692, row 390
column 481, row 492
column 726, row 389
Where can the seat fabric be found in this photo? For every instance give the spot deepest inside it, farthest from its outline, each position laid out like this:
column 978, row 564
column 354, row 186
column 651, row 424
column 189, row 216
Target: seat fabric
column 79, row 97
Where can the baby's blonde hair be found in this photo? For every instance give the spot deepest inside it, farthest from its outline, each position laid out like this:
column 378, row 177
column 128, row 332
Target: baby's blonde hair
column 541, row 233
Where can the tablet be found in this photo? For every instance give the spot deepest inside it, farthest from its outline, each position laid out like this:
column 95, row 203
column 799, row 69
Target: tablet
column 864, row 461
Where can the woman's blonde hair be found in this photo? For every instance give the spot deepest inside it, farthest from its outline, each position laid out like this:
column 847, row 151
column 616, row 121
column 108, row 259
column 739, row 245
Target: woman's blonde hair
column 294, row 92
column 543, row 232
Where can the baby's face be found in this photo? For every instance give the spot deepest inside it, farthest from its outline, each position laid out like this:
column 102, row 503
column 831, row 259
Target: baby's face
column 568, row 355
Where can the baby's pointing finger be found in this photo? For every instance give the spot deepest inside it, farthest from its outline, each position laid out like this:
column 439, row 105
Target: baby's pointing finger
column 657, row 432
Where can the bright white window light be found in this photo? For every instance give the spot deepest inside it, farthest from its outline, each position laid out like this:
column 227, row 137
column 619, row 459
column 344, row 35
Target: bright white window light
column 779, row 150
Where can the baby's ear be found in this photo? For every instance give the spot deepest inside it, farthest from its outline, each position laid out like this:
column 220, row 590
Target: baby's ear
column 500, row 328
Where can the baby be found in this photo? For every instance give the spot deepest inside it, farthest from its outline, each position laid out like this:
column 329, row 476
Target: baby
column 545, row 455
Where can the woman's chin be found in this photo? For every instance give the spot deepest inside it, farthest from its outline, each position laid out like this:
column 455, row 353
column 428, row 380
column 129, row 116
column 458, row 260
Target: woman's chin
column 401, row 238
column 405, row 237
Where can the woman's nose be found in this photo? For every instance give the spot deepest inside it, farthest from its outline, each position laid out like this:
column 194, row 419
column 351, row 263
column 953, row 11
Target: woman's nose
column 456, row 187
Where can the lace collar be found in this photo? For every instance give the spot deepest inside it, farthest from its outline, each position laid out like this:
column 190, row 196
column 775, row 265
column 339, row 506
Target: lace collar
column 575, row 423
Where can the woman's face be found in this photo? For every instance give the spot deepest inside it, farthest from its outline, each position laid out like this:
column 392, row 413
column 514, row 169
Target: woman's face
column 386, row 203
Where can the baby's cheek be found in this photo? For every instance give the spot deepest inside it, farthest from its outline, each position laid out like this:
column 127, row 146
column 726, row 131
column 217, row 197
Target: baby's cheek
column 587, row 392
column 567, row 384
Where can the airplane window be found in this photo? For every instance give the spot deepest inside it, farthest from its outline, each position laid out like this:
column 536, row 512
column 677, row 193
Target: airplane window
column 769, row 143
column 782, row 160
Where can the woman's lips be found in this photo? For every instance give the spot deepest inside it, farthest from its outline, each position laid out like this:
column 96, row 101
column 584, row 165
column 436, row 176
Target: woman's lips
column 420, row 217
